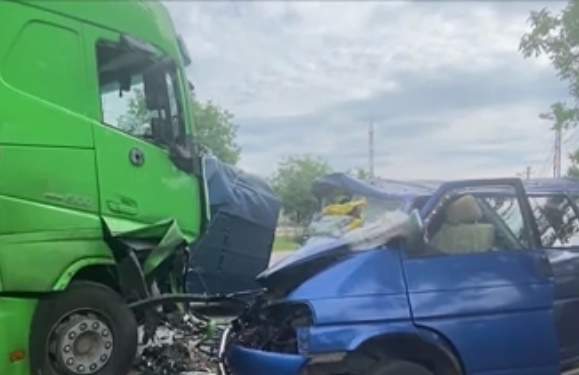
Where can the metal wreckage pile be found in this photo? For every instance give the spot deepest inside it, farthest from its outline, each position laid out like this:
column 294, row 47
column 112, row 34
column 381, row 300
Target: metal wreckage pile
column 191, row 308
column 174, row 287
column 179, row 332
column 173, row 338
column 180, row 345
column 184, row 343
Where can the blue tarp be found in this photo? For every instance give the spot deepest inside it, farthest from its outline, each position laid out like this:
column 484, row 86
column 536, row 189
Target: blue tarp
column 237, row 242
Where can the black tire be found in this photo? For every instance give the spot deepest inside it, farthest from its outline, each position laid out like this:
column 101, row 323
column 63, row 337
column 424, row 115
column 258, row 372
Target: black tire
column 399, row 368
column 80, row 299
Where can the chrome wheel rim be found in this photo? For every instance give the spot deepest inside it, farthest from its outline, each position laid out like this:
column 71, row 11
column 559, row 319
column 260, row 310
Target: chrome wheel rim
column 81, row 343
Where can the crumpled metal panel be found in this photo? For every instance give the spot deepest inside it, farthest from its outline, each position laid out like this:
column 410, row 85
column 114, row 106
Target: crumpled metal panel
column 147, row 253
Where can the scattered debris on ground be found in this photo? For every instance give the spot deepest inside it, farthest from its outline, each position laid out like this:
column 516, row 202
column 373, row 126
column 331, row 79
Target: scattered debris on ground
column 181, row 344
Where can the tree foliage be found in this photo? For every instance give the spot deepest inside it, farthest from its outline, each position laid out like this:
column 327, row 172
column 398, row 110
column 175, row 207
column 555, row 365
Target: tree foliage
column 293, row 181
column 137, row 113
column 361, row 174
column 557, row 37
column 573, row 170
column 215, row 130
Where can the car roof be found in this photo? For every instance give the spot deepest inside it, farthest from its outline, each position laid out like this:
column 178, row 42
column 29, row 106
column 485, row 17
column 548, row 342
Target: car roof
column 409, row 190
column 532, row 186
column 552, row 185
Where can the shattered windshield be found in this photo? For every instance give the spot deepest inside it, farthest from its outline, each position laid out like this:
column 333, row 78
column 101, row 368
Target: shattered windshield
column 335, row 220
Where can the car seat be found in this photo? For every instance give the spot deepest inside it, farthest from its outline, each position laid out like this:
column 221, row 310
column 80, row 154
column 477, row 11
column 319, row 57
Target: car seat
column 462, row 232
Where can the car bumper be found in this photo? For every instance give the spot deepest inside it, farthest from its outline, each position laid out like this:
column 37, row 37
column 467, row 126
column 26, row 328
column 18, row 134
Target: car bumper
column 243, row 361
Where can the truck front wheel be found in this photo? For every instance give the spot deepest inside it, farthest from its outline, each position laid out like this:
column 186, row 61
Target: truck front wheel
column 88, row 329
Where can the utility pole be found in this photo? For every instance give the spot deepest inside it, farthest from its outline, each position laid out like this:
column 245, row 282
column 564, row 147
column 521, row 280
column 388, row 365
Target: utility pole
column 371, row 150
column 560, row 117
column 525, row 174
column 557, row 155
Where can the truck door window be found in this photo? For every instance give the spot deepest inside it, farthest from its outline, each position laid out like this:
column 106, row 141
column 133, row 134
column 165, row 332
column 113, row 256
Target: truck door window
column 557, row 221
column 139, row 94
column 470, row 221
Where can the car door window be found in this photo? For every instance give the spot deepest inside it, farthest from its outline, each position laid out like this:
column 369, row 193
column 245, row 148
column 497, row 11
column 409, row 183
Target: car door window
column 557, row 221
column 504, row 211
column 138, row 94
column 478, row 220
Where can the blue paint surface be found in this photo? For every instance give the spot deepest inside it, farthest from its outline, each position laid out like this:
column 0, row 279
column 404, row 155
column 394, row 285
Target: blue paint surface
column 496, row 313
column 244, row 361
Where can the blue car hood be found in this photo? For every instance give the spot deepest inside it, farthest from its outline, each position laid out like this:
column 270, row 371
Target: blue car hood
column 311, row 259
column 303, row 264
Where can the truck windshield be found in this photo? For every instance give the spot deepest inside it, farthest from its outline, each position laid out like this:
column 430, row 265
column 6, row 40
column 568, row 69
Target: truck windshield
column 139, row 94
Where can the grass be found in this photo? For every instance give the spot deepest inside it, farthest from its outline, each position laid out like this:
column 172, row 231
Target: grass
column 283, row 243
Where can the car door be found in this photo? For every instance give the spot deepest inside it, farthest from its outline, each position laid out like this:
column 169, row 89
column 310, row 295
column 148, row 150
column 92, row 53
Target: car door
column 558, row 225
column 141, row 104
column 482, row 281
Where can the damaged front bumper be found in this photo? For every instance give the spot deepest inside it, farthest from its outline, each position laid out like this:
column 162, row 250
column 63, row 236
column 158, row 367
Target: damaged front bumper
column 243, row 361
column 237, row 359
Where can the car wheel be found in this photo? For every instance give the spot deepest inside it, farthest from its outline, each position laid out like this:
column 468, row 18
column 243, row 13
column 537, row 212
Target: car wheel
column 398, row 368
column 88, row 329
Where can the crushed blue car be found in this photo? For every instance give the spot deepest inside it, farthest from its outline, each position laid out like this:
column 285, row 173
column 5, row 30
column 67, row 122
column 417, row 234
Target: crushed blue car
column 463, row 277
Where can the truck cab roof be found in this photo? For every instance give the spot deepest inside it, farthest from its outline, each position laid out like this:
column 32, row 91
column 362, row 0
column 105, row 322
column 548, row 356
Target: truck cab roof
column 145, row 20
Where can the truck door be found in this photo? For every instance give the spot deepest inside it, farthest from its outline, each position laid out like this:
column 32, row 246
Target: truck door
column 142, row 110
column 482, row 281
column 558, row 224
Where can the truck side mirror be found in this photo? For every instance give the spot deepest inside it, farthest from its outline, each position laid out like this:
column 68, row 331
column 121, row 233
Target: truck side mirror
column 186, row 156
column 155, row 90
column 160, row 132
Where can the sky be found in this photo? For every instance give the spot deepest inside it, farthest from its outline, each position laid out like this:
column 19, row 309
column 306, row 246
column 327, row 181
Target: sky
column 444, row 84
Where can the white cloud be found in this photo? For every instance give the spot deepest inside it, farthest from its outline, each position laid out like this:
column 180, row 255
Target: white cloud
column 307, row 76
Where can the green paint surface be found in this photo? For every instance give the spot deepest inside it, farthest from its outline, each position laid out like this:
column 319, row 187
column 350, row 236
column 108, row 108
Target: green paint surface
column 62, row 171
column 15, row 317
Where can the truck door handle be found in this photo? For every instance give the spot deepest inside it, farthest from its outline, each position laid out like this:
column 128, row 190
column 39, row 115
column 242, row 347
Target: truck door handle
column 122, row 208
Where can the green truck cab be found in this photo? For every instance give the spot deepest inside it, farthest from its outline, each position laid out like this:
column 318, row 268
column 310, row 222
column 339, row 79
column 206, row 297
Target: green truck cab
column 95, row 138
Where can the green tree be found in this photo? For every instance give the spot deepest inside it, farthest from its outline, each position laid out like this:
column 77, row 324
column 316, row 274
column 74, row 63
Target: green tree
column 557, row 37
column 361, row 174
column 137, row 114
column 293, row 181
column 573, row 170
column 215, row 130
